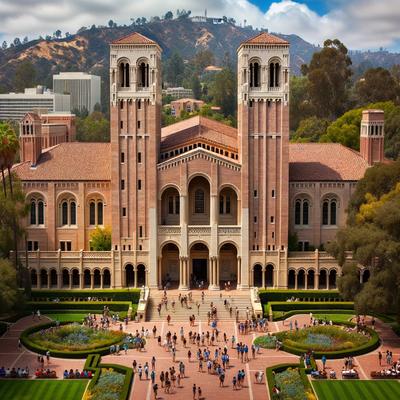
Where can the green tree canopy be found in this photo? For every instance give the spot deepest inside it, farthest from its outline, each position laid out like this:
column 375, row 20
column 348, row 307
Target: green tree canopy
column 300, row 104
column 377, row 84
column 223, row 91
column 9, row 294
column 100, row 239
column 329, row 77
column 310, row 129
column 174, row 70
column 25, row 76
column 93, row 128
column 373, row 235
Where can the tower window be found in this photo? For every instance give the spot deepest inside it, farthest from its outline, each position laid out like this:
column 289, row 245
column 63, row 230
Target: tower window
column 274, row 74
column 139, row 184
column 124, row 211
column 272, row 193
column 122, row 157
column 124, row 75
column 121, row 105
column 144, row 75
column 139, row 157
column 302, row 212
column 122, row 184
column 138, row 124
column 121, row 124
column 140, row 231
column 255, row 193
column 255, row 74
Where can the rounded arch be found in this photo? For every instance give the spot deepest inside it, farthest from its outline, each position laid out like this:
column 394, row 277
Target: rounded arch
column 198, row 174
column 332, row 277
column 166, row 242
column 141, row 275
column 232, row 242
column 75, row 277
column 123, row 59
column 168, row 186
column 169, row 274
column 257, row 275
column 36, row 194
column 68, row 194
column 34, row 277
column 44, row 278
column 97, row 195
column 200, row 274
column 141, row 60
column 274, row 59
column 310, row 278
column 199, row 241
column 65, row 277
column 170, row 206
column 323, row 278
column 228, row 264
column 87, row 278
column 129, row 275
column 106, row 278
column 230, row 186
column 269, row 275
column 291, row 278
column 301, row 278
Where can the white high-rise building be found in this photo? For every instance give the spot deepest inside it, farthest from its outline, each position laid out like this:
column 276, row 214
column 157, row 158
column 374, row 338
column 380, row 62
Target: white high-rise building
column 13, row 106
column 83, row 88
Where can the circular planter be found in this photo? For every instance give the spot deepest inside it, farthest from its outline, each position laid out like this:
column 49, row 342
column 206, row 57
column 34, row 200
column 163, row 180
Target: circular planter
column 291, row 346
column 29, row 343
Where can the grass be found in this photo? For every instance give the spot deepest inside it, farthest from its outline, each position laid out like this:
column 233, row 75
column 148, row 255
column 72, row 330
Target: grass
column 42, row 389
column 334, row 317
column 66, row 317
column 357, row 390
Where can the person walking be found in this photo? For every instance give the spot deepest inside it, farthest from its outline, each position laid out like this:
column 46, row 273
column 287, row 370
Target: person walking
column 380, row 358
column 155, row 391
column 153, row 376
column 194, row 389
column 323, row 360
column 168, row 319
column 199, row 393
column 153, row 363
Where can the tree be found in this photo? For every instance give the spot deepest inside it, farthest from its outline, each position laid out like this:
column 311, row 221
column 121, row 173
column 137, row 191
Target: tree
column 110, row 23
column 310, row 130
column 372, row 233
column 223, row 91
column 100, row 239
column 300, row 104
column 48, row 38
column 17, row 42
column 196, row 86
column 4, row 45
column 9, row 293
column 93, row 128
column 57, row 33
column 202, row 59
column 25, row 75
column 377, row 84
column 25, row 40
column 169, row 15
column 174, row 70
column 329, row 77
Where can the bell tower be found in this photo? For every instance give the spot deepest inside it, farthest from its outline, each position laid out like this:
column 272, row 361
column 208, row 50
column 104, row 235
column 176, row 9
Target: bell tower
column 263, row 129
column 30, row 138
column 135, row 114
column 372, row 136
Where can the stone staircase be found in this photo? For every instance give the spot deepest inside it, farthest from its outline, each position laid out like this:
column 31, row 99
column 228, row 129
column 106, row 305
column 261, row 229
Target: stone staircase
column 239, row 299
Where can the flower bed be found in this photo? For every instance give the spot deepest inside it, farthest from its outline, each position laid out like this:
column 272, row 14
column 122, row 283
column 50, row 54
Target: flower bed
column 70, row 340
column 109, row 386
column 266, row 341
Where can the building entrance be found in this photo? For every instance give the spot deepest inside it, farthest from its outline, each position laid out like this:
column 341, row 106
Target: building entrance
column 199, row 272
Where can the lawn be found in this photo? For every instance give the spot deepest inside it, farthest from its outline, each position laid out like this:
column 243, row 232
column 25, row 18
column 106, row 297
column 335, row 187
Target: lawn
column 42, row 389
column 334, row 317
column 66, row 317
column 357, row 390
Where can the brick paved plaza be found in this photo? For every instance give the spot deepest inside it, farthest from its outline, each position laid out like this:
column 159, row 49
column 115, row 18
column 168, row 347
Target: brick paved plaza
column 13, row 356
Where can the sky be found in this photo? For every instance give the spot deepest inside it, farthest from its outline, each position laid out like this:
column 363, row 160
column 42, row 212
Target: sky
column 359, row 24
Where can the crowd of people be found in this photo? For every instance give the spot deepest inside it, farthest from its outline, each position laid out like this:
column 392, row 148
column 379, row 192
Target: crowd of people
column 14, row 372
column 71, row 374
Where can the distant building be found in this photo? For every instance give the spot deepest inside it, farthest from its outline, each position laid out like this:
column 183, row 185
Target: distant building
column 13, row 106
column 212, row 68
column 83, row 88
column 188, row 105
column 178, row 92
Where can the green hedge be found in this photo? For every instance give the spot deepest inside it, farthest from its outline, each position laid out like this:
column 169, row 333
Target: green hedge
column 131, row 295
column 88, row 306
column 25, row 340
column 305, row 305
column 373, row 344
column 296, row 312
column 3, row 328
column 308, row 295
column 93, row 364
column 280, row 368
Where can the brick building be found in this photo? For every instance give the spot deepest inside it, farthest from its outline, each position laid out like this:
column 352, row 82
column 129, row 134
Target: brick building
column 197, row 201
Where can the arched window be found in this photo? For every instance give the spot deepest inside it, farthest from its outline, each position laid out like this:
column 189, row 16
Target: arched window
column 127, row 83
column 36, row 212
column 96, row 212
column 301, row 212
column 329, row 212
column 199, row 201
column 274, row 74
column 122, row 74
column 143, row 75
column 225, row 204
column 67, row 212
column 255, row 70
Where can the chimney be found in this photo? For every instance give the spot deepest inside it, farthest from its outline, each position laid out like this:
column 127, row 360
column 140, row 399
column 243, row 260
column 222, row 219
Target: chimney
column 372, row 136
column 30, row 138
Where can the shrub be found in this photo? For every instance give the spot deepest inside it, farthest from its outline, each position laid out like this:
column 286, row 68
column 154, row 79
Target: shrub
column 108, row 386
column 89, row 306
column 284, row 295
column 304, row 305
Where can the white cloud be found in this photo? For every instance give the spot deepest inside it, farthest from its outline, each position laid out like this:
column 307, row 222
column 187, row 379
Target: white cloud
column 358, row 23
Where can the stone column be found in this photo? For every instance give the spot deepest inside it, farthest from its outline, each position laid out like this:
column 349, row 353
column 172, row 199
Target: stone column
column 59, row 281
column 295, row 280
column 101, row 279
column 181, row 273
column 70, row 279
column 263, row 269
column 305, row 280
column 81, row 276
column 48, row 280
column 361, row 275
column 91, row 279
column 159, row 268
column 217, row 272
column 239, row 260
column 135, row 276
column 327, row 281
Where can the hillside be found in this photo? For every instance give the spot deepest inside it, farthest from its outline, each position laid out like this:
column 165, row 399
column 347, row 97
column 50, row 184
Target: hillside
column 88, row 50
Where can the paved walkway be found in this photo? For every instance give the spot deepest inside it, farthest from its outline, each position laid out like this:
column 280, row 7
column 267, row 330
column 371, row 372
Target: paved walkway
column 11, row 355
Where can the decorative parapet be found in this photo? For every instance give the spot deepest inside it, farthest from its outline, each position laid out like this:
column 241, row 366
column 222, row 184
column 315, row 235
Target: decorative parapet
column 229, row 230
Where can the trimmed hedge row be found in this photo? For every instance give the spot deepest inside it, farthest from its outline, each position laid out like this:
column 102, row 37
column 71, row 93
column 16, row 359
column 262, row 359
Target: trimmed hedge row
column 306, row 305
column 114, row 306
column 373, row 344
column 283, row 295
column 93, row 364
column 25, row 340
column 132, row 295
column 280, row 368
column 295, row 312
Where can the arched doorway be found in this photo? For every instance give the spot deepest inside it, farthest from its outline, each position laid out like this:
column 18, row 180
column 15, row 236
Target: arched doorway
column 257, row 275
column 43, row 278
column 269, row 276
column 199, row 201
column 332, row 279
column 141, row 275
column 75, row 278
column 34, row 278
column 322, row 279
column 106, row 278
column 365, row 275
column 227, row 266
column 228, row 209
column 170, row 268
column 96, row 278
column 86, row 278
column 53, row 278
column 199, row 267
column 65, row 278
column 291, row 279
column 310, row 279
column 129, row 276
column 170, row 207
column 301, row 279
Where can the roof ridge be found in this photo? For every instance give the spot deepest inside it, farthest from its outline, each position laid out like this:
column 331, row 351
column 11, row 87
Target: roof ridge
column 265, row 38
column 132, row 36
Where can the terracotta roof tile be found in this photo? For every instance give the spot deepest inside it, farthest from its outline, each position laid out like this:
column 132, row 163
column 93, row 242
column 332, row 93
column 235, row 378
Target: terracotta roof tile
column 266, row 38
column 70, row 162
column 134, row 38
column 325, row 162
column 195, row 128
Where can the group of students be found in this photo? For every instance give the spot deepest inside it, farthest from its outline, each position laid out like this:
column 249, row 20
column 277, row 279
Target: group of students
column 71, row 374
column 14, row 372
